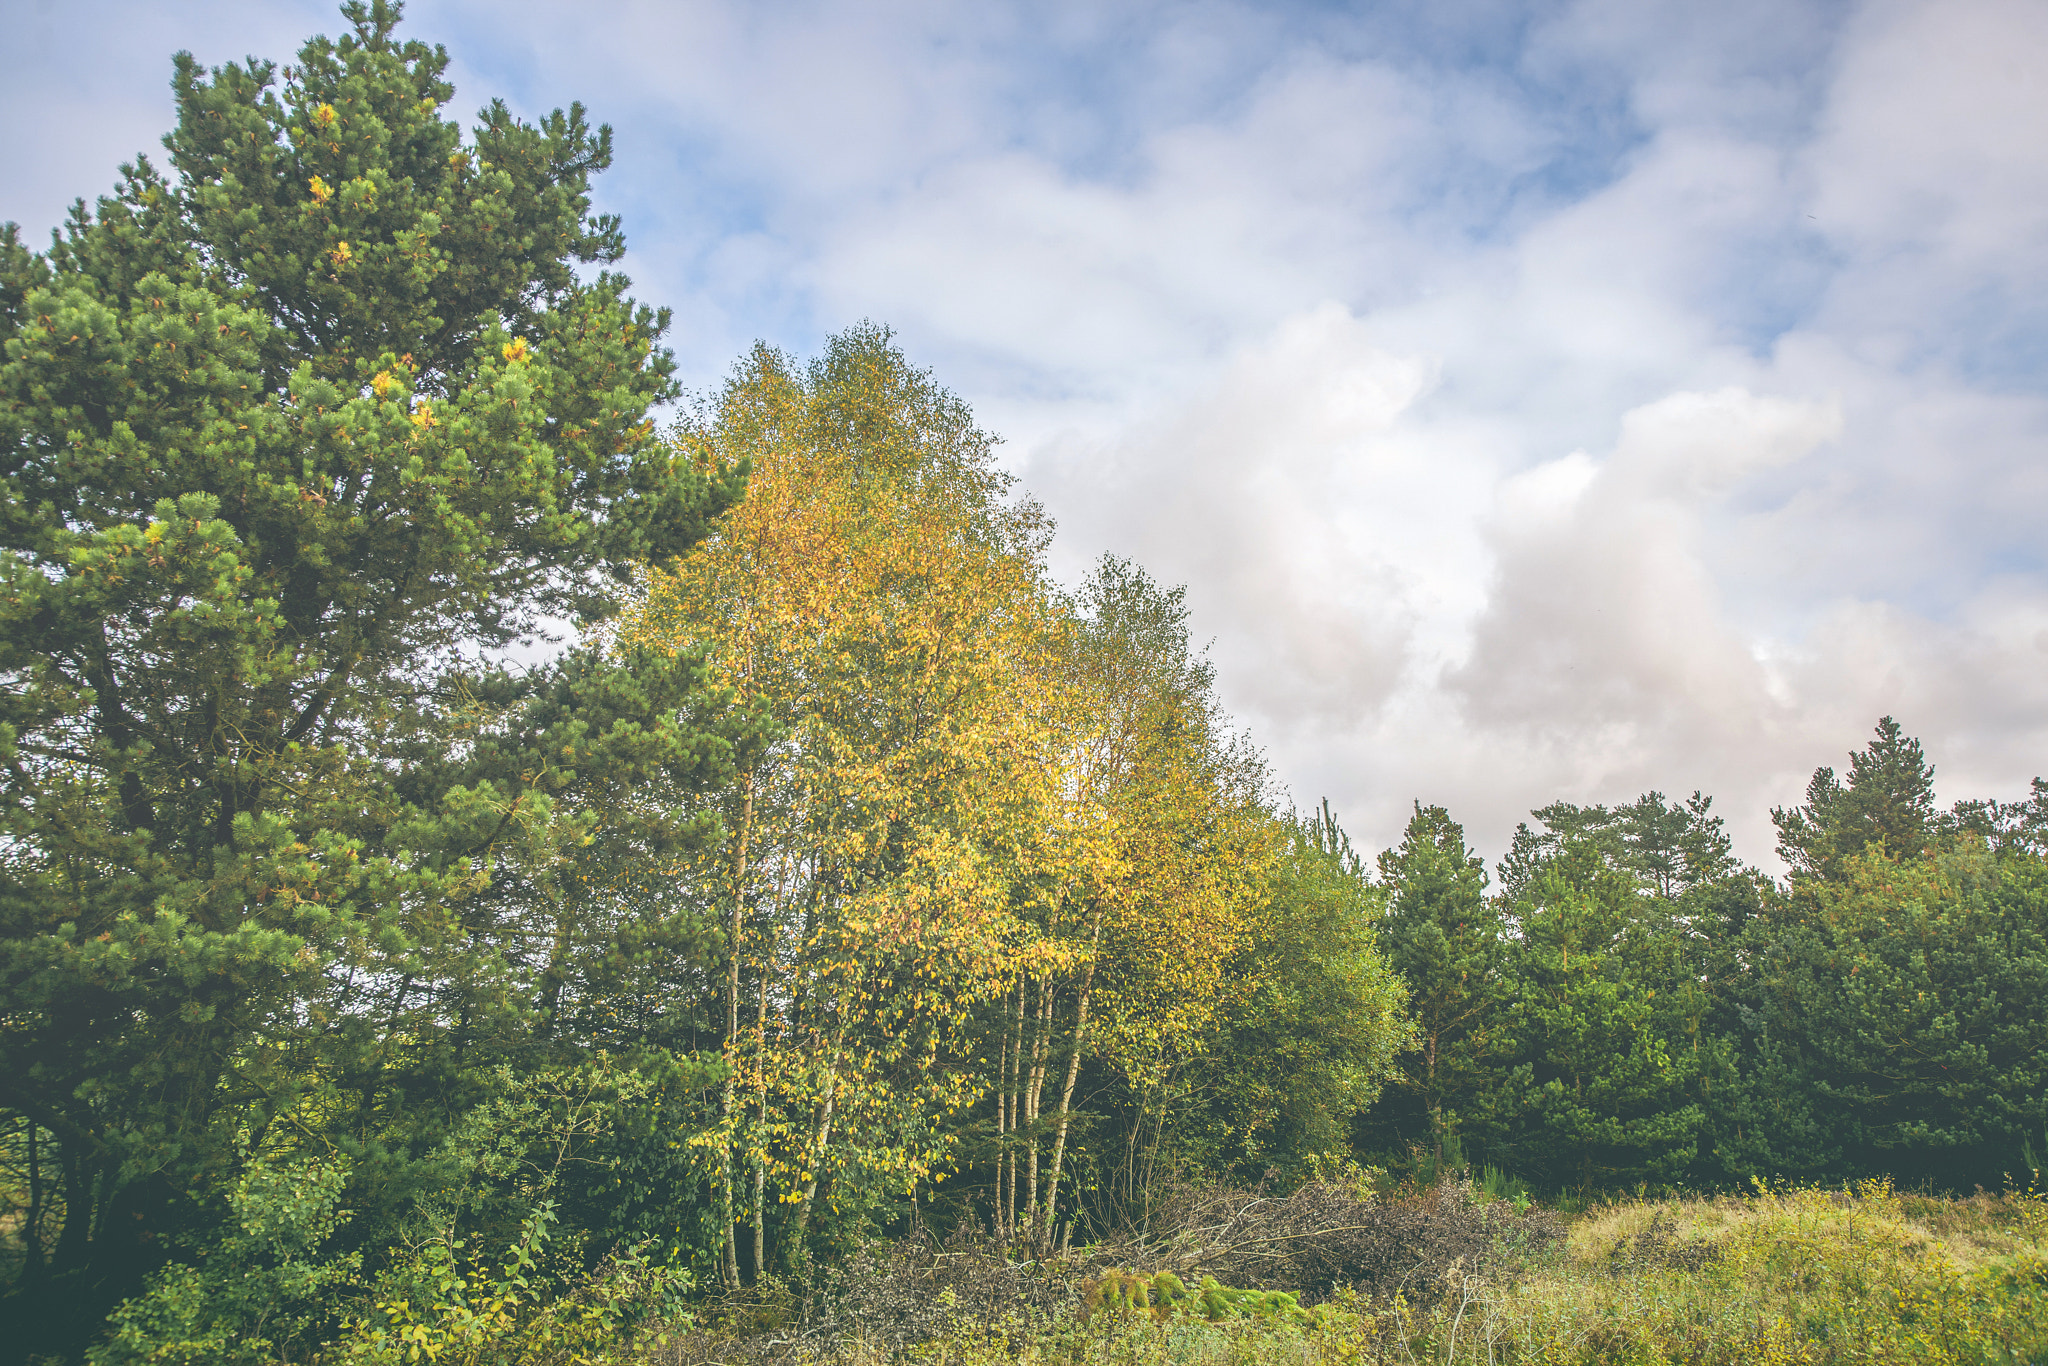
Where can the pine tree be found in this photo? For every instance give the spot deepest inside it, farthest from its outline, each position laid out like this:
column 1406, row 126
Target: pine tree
column 1888, row 799
column 1445, row 939
column 1899, row 1018
column 1670, row 848
column 1606, row 1048
column 289, row 435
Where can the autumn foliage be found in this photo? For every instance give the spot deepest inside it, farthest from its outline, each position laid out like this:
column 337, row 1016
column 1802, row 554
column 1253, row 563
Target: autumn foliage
column 993, row 832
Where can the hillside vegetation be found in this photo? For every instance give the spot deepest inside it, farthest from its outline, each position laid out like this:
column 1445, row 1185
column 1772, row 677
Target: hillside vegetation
column 839, row 899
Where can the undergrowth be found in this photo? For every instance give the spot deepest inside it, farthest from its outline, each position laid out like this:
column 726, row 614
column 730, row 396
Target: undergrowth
column 1782, row 1275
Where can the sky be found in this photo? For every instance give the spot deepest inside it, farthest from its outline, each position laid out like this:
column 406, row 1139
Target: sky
column 1539, row 401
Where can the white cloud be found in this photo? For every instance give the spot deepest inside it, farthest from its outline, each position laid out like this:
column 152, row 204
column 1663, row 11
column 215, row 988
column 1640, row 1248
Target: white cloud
column 1932, row 143
column 1604, row 634
column 1276, row 491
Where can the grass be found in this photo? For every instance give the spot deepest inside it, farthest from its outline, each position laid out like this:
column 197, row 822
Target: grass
column 1779, row 1276
column 1798, row 1275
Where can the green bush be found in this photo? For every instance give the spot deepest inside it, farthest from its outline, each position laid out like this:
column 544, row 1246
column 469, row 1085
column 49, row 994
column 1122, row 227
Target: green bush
column 449, row 1303
column 256, row 1290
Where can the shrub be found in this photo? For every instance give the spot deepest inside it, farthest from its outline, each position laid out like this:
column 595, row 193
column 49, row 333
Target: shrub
column 449, row 1304
column 255, row 1289
column 1164, row 1295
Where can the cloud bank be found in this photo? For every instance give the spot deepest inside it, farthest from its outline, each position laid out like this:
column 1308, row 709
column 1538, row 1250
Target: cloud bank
column 1544, row 401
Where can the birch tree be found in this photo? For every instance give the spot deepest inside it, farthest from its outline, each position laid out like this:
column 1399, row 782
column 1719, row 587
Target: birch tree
column 879, row 600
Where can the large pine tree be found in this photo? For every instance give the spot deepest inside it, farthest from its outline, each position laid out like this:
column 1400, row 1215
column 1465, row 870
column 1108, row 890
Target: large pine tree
column 290, row 436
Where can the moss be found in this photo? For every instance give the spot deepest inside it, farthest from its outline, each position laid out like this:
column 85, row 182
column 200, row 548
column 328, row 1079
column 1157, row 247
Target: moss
column 1164, row 1295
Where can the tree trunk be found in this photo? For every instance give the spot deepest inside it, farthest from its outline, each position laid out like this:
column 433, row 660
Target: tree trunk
column 822, row 1136
column 1033, row 1086
column 74, row 1240
column 1006, row 1113
column 729, row 1271
column 1152, row 1163
column 32, row 1224
column 765, row 963
column 1059, row 1143
column 760, row 1160
column 556, row 974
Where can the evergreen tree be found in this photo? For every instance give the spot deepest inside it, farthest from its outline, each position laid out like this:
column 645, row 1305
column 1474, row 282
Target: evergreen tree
column 2017, row 827
column 1446, row 940
column 1888, row 799
column 1607, row 1047
column 1898, row 1022
column 289, row 437
column 1628, row 917
column 1670, row 848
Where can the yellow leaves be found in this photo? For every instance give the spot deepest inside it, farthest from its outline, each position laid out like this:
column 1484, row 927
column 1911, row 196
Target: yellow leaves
column 422, row 414
column 903, row 652
column 961, row 796
column 324, row 116
column 341, row 255
column 383, row 384
column 514, row 351
column 322, row 191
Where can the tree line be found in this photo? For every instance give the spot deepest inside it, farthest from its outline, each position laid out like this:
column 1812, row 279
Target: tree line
column 1627, row 1003
column 838, row 873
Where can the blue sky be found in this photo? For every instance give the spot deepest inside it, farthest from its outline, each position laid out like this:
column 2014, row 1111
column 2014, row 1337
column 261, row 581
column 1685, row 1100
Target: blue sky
column 1539, row 400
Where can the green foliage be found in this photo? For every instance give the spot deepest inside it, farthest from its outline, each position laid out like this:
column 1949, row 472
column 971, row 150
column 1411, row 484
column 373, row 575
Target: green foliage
column 1900, row 1023
column 1606, row 1017
column 1670, row 848
column 259, row 1288
column 2009, row 827
column 479, row 1269
column 1447, row 941
column 1496, row 1184
column 289, row 439
column 1606, row 1042
column 1663, row 1014
column 1888, row 801
column 447, row 1301
column 1310, row 1042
